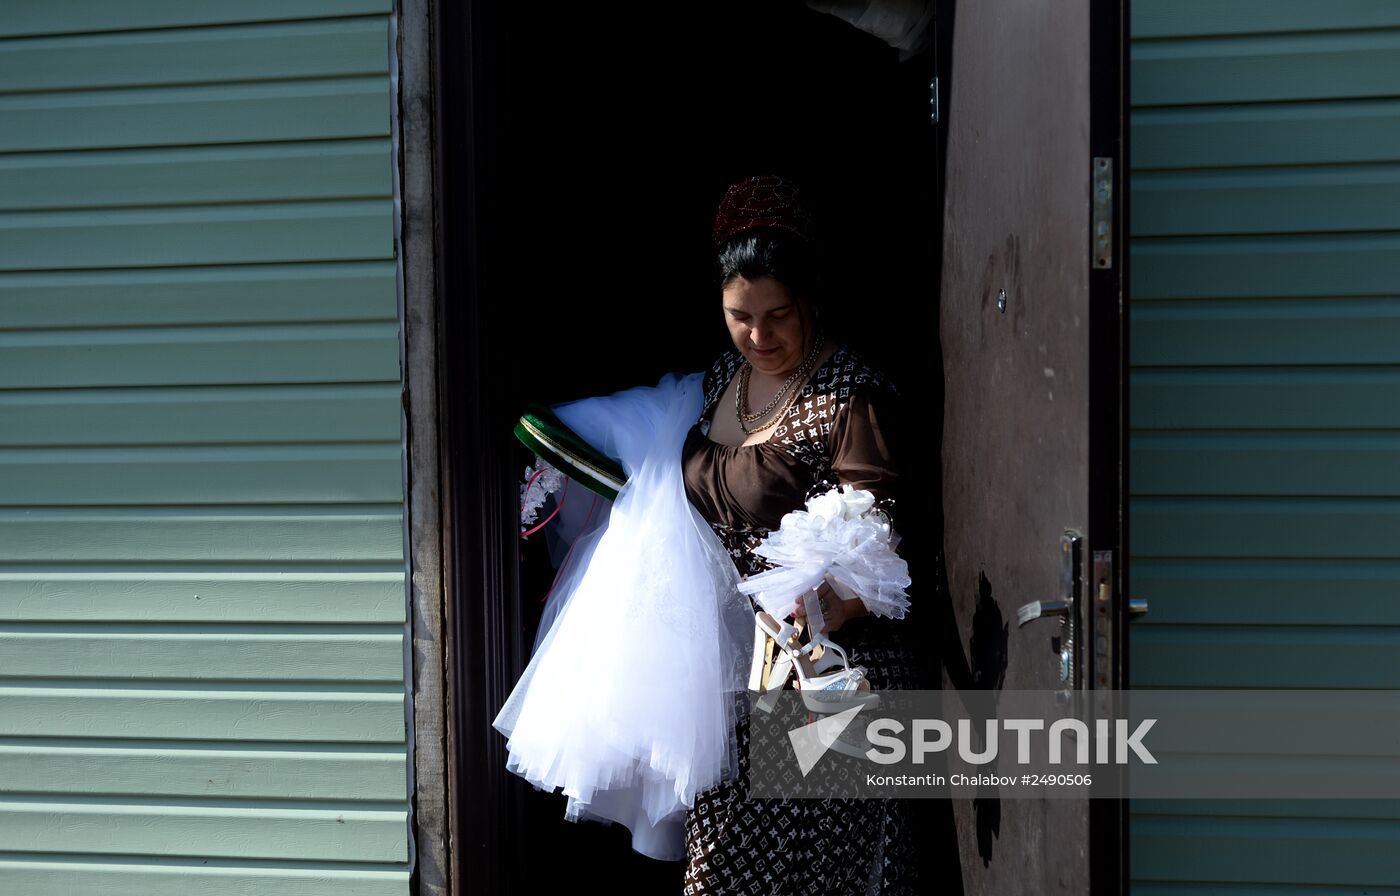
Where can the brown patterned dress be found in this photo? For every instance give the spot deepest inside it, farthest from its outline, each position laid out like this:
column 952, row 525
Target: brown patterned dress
column 845, row 427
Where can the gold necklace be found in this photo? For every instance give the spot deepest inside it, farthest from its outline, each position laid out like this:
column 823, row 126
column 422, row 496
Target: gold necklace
column 744, row 384
column 799, row 377
column 792, row 397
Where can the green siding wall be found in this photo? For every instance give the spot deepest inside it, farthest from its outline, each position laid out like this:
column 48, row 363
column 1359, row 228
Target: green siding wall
column 1265, row 422
column 202, row 590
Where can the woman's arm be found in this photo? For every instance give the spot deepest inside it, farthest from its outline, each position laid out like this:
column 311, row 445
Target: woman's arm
column 863, row 444
column 866, row 447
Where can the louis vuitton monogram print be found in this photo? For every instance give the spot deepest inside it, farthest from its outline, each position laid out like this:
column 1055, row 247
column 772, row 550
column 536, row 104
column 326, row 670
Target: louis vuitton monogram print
column 738, row 845
column 834, row 379
column 804, row 429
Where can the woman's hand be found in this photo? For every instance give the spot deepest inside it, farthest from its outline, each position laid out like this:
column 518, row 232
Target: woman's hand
column 835, row 610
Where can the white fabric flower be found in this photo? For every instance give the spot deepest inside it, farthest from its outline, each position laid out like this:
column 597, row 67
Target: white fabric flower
column 856, row 501
column 827, row 507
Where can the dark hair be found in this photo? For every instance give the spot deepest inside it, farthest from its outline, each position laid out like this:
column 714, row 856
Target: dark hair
column 777, row 253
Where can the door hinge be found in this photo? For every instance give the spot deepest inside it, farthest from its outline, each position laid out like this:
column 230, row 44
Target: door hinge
column 1102, row 247
column 933, row 100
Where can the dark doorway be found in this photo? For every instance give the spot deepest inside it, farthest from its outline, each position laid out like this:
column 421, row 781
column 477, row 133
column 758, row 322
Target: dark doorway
column 582, row 151
column 618, row 133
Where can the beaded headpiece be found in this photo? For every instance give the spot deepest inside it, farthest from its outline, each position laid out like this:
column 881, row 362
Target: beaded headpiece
column 766, row 200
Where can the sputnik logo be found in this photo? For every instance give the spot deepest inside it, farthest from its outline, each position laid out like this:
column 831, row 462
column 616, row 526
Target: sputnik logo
column 811, row 741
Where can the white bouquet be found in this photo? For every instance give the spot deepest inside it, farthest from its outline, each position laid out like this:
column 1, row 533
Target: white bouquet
column 839, row 537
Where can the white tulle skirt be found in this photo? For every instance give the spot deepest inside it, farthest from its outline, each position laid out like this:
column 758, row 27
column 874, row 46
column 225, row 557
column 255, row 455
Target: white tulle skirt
column 628, row 703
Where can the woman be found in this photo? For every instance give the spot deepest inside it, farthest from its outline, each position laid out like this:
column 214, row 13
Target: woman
column 790, row 412
column 633, row 703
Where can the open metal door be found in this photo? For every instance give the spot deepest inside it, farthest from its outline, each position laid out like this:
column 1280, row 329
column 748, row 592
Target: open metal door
column 1032, row 330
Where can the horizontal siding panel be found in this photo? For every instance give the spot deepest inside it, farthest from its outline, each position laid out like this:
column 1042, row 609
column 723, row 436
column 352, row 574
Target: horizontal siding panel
column 191, row 474
column 104, row 651
column 260, row 52
column 1266, row 205
column 327, row 596
column 1210, row 888
column 202, row 713
column 1298, row 332
column 1266, row 201
column 197, row 235
column 193, row 175
column 1274, row 398
column 1263, row 655
column 100, row 15
column 354, row 290
column 1185, row 18
column 1265, row 527
column 187, row 356
column 1354, row 774
column 268, row 534
column 202, row 591
column 1260, row 69
column 161, row 116
column 204, row 414
column 1266, row 134
column 1276, row 808
column 69, row 875
column 330, row 834
column 164, row 769
column 1264, row 463
column 1281, row 591
column 1267, row 850
column 1271, row 266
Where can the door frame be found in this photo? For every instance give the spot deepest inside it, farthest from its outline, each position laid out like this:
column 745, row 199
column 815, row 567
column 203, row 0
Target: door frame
column 481, row 626
column 426, row 539
column 467, row 640
column 1108, row 388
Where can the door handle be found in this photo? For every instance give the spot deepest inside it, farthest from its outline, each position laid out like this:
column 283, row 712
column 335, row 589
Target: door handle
column 1071, row 585
column 1038, row 609
column 1097, row 614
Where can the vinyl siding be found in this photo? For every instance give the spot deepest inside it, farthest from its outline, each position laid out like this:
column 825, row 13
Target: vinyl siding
column 1265, row 497
column 202, row 589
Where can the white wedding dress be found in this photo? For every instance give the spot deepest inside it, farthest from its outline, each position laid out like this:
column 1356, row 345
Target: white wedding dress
column 630, row 700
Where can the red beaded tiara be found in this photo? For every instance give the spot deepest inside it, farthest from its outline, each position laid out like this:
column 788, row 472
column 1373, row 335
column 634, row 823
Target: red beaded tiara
column 766, row 200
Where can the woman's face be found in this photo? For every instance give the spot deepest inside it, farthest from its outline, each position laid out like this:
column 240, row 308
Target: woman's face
column 768, row 324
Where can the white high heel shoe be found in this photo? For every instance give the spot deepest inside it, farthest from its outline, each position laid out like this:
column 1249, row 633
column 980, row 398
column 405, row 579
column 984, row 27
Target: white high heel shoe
column 822, row 691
